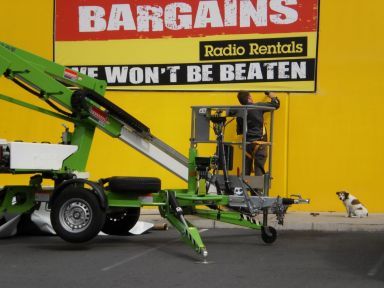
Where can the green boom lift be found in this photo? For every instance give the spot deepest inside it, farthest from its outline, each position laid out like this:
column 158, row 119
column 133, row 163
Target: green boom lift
column 80, row 208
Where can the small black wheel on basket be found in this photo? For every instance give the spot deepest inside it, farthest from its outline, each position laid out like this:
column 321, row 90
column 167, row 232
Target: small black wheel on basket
column 76, row 214
column 268, row 234
column 119, row 222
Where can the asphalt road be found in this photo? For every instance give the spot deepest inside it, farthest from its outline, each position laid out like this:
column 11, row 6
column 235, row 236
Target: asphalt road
column 237, row 258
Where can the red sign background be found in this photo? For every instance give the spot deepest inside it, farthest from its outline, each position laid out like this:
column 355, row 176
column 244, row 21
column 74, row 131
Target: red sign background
column 67, row 21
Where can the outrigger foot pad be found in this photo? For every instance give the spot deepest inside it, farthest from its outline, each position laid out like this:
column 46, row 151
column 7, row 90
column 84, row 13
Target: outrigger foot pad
column 204, row 253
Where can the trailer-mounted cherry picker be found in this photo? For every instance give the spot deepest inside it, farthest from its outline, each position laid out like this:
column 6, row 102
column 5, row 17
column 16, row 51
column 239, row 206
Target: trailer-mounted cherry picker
column 80, row 207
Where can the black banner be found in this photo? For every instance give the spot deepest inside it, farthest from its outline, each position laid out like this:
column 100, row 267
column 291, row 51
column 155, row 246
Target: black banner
column 205, row 73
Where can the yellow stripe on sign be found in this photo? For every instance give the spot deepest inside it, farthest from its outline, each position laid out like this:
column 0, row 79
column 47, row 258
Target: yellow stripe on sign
column 302, row 86
column 154, row 51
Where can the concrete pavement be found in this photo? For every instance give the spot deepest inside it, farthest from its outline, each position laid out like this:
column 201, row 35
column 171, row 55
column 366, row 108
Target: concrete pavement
column 236, row 258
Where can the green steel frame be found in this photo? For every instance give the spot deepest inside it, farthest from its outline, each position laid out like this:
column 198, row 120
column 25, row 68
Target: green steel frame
column 55, row 83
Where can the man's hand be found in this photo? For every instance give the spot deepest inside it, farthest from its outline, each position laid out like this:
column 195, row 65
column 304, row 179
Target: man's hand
column 270, row 95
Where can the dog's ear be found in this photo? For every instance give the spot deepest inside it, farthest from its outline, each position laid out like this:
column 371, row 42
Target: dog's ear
column 342, row 193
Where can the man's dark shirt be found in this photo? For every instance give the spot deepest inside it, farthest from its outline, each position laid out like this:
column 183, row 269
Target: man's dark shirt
column 255, row 121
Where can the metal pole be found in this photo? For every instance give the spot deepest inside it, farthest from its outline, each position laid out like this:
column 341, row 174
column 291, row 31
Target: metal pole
column 245, row 117
column 193, row 126
column 270, row 151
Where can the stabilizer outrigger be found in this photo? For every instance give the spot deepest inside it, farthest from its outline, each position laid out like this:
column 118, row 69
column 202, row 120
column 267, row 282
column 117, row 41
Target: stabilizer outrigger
column 80, row 208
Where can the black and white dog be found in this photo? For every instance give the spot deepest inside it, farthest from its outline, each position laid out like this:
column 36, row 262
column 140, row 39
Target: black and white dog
column 352, row 204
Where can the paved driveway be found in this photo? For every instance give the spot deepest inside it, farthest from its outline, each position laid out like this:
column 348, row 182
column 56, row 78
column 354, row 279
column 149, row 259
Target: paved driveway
column 238, row 258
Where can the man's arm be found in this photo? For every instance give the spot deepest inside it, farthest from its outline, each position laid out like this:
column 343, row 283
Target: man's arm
column 275, row 102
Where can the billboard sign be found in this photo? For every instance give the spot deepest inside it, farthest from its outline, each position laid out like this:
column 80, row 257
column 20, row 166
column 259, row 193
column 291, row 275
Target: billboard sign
column 226, row 45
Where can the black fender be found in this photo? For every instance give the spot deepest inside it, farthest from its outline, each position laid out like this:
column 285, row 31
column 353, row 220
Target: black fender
column 97, row 189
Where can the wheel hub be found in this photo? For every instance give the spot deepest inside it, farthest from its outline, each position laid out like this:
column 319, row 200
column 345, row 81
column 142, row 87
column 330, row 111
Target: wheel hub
column 75, row 215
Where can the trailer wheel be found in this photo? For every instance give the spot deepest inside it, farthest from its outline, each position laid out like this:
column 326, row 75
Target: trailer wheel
column 121, row 221
column 76, row 215
column 268, row 234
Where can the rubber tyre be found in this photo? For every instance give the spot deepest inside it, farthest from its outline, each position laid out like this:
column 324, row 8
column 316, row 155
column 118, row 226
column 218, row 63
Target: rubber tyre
column 268, row 234
column 76, row 215
column 134, row 185
column 120, row 222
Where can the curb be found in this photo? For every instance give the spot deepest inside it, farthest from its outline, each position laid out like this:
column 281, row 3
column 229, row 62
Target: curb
column 297, row 221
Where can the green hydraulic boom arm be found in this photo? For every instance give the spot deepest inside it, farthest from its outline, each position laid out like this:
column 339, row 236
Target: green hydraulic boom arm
column 79, row 98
